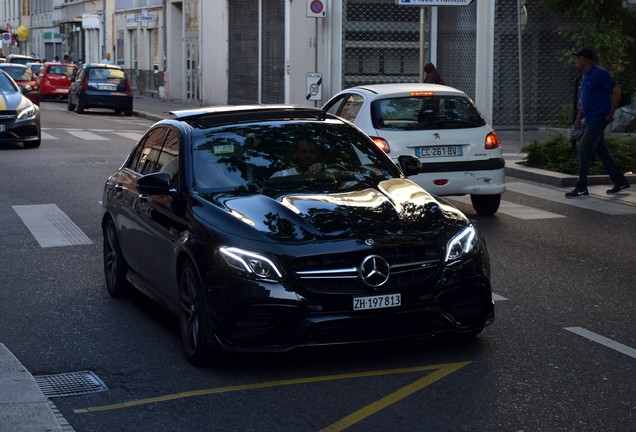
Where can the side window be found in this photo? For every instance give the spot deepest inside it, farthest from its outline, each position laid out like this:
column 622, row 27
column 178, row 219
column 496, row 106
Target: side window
column 169, row 157
column 146, row 157
column 352, row 107
column 334, row 106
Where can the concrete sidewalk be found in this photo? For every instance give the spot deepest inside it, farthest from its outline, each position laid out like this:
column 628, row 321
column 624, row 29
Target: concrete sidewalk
column 23, row 406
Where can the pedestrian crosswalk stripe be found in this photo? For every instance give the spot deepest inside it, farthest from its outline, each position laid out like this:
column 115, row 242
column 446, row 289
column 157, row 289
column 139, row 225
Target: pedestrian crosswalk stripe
column 50, row 226
column 88, row 136
column 47, row 136
column 131, row 135
column 515, row 210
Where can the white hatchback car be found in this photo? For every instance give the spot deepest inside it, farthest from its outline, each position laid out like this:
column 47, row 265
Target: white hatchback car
column 459, row 151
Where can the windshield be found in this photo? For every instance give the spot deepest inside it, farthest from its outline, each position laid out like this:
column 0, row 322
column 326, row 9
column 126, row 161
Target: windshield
column 6, row 85
column 277, row 158
column 425, row 113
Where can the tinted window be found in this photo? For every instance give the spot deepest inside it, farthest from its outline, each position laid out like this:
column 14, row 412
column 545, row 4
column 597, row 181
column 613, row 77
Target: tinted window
column 262, row 157
column 6, row 84
column 424, row 113
column 61, row 70
column 19, row 73
column 106, row 74
column 145, row 159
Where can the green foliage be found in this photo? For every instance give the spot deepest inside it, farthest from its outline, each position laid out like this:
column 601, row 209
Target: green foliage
column 558, row 154
column 608, row 28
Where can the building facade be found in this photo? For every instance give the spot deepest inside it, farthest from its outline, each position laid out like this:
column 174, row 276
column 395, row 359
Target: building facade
column 212, row 52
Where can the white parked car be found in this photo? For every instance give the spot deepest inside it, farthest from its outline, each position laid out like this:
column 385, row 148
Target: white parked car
column 459, row 151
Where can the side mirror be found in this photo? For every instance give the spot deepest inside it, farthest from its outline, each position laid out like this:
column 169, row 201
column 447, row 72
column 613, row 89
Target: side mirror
column 409, row 164
column 154, row 184
column 26, row 88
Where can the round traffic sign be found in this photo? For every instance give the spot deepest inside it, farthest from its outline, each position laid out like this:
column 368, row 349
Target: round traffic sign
column 316, row 6
column 6, row 36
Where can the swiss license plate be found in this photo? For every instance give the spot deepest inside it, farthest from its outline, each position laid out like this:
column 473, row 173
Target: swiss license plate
column 107, row 87
column 377, row 302
column 61, row 90
column 1, row 127
column 439, row 151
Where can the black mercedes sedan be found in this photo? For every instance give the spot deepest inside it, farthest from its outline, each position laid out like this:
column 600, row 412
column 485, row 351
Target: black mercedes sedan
column 266, row 228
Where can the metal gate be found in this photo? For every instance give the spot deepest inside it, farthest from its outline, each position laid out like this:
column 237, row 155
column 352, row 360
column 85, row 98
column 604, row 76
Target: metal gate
column 381, row 45
column 257, row 32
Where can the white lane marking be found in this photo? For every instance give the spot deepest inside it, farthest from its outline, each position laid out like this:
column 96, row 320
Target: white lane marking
column 556, row 195
column 50, row 226
column 135, row 136
column 88, row 136
column 497, row 297
column 515, row 210
column 47, row 136
column 617, row 346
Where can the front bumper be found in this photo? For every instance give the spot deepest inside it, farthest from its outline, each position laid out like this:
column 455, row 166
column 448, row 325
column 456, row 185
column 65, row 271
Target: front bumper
column 280, row 324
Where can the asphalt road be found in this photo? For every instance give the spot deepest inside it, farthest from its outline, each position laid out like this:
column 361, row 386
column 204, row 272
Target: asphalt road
column 560, row 356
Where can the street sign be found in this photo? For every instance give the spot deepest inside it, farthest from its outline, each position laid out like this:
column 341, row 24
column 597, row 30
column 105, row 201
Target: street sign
column 433, row 2
column 314, row 86
column 316, row 8
column 6, row 38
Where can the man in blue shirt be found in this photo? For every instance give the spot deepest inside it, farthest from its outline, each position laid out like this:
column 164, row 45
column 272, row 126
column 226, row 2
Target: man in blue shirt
column 598, row 99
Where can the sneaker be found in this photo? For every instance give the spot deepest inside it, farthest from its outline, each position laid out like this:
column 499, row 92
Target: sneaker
column 576, row 193
column 618, row 187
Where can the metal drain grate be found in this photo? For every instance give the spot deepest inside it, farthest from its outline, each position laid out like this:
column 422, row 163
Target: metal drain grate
column 70, row 384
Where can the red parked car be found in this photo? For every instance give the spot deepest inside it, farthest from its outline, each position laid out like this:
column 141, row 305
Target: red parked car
column 55, row 79
column 23, row 77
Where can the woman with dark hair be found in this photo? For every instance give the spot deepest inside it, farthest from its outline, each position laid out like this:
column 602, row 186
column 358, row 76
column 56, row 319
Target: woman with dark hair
column 432, row 75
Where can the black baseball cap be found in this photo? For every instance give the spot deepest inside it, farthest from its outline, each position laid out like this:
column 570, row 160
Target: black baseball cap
column 585, row 52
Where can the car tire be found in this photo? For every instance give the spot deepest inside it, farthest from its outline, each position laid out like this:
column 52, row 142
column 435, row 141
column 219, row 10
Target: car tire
column 128, row 111
column 70, row 106
column 115, row 267
column 192, row 317
column 486, row 204
column 80, row 106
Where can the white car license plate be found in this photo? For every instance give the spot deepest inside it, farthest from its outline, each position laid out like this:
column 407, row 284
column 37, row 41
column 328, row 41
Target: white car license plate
column 107, row 87
column 60, row 90
column 1, row 127
column 377, row 302
column 439, row 151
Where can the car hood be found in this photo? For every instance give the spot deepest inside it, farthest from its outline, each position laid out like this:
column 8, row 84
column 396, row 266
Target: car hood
column 10, row 101
column 396, row 207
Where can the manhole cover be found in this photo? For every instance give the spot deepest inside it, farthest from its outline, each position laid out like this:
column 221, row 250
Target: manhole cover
column 70, row 384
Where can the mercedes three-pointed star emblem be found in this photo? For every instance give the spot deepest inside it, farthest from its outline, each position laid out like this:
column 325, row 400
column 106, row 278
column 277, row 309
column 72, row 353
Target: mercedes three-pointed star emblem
column 374, row 271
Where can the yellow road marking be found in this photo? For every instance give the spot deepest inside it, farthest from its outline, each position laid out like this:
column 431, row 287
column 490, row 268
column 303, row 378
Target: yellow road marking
column 441, row 370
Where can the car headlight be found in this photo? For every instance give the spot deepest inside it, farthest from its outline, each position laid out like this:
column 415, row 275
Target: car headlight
column 463, row 243
column 27, row 112
column 251, row 265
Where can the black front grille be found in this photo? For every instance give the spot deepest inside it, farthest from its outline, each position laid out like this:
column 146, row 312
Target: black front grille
column 7, row 116
column 338, row 273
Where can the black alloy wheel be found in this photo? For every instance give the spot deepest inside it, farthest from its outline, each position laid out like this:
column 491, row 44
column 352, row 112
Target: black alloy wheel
column 194, row 333
column 115, row 267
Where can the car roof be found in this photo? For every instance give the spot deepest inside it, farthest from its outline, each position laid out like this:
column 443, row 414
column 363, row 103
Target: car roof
column 101, row 65
column 206, row 117
column 400, row 88
column 13, row 65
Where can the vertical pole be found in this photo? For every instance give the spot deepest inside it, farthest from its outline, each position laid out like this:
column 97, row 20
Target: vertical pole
column 520, row 6
column 423, row 38
column 316, row 52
